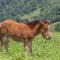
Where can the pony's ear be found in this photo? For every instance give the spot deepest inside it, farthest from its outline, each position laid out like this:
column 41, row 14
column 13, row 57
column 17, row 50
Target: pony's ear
column 41, row 22
column 44, row 22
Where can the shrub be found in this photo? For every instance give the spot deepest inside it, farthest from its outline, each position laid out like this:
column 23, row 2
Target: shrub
column 57, row 27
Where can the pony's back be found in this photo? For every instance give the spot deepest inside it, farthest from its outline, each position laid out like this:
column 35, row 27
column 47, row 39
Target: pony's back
column 9, row 21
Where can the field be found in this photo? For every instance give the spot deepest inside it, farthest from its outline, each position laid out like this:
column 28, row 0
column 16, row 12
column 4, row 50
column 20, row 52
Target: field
column 42, row 49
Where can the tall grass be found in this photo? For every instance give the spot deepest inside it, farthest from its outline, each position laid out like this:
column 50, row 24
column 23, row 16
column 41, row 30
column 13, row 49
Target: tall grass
column 42, row 49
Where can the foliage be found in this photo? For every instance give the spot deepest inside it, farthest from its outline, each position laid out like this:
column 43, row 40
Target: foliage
column 51, row 10
column 30, row 9
column 57, row 27
column 17, row 8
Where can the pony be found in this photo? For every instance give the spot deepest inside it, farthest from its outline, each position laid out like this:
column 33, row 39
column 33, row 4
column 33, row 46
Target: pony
column 24, row 32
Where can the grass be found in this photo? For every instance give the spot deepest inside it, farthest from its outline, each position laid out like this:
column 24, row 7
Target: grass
column 42, row 49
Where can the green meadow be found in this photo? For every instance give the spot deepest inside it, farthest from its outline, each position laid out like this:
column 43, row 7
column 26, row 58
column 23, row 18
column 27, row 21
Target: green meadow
column 42, row 49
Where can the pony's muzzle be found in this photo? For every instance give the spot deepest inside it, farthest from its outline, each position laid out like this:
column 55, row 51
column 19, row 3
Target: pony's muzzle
column 48, row 35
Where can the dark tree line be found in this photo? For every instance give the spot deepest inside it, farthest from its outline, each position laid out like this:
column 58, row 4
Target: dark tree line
column 16, row 9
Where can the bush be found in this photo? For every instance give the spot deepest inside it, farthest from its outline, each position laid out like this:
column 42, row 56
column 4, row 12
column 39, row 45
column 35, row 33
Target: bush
column 57, row 27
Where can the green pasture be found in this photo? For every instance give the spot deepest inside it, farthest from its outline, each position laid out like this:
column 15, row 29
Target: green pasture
column 42, row 49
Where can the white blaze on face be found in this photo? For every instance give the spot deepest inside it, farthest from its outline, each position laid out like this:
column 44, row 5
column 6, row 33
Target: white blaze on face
column 48, row 34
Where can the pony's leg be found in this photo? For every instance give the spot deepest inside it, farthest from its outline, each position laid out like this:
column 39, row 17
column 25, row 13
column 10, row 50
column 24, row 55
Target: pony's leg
column 6, row 44
column 1, row 45
column 3, row 42
column 28, row 46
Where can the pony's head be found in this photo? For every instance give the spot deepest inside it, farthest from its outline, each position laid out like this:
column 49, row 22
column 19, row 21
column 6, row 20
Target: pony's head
column 45, row 29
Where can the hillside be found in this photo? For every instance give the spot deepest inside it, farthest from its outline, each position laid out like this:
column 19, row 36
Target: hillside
column 30, row 9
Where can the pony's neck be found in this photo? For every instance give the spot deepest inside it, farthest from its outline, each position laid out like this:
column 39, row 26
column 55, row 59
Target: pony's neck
column 36, row 29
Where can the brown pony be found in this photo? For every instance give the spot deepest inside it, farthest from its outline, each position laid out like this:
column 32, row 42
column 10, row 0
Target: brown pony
column 25, row 31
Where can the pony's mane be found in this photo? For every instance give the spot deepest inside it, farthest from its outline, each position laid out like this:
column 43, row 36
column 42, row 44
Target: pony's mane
column 32, row 21
column 29, row 21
